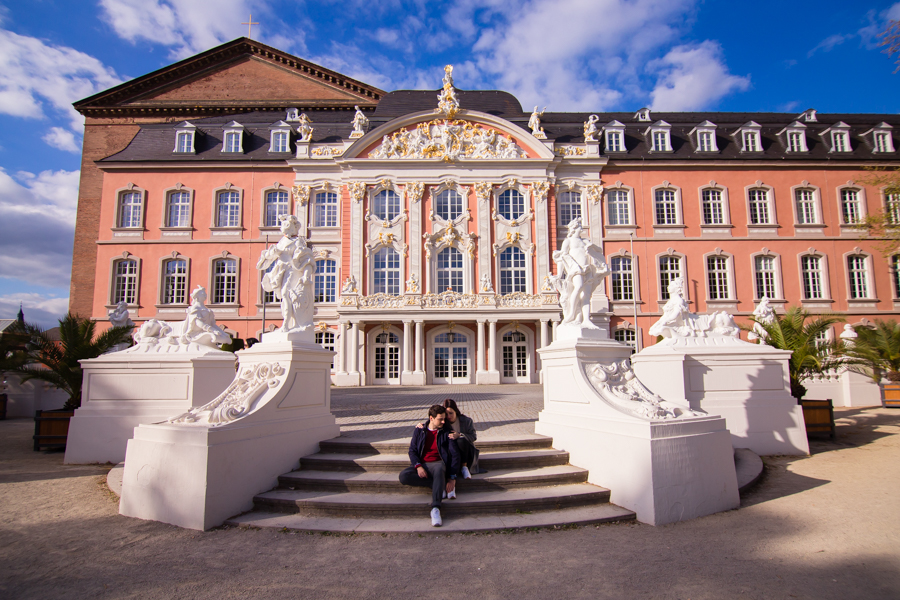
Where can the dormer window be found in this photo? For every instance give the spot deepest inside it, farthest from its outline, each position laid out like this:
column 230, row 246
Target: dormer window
column 808, row 116
column 280, row 137
column 838, row 137
column 881, row 139
column 293, row 114
column 233, row 138
column 659, row 135
column 643, row 115
column 615, row 136
column 704, row 137
column 184, row 138
column 748, row 137
column 794, row 137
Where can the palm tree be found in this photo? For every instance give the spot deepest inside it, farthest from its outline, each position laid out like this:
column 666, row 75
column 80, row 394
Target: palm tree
column 56, row 362
column 811, row 355
column 875, row 351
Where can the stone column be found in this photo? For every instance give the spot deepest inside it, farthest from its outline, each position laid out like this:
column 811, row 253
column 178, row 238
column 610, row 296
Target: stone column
column 342, row 349
column 544, row 329
column 492, row 375
column 354, row 349
column 479, row 366
column 419, row 333
column 553, row 337
column 407, row 348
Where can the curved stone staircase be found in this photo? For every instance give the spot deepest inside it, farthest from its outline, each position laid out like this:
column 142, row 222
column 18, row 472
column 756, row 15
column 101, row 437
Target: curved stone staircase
column 352, row 486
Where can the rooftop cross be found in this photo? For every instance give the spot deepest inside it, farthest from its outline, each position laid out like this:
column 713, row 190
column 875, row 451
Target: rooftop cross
column 249, row 24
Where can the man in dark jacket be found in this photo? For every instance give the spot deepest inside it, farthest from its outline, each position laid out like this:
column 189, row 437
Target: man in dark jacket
column 433, row 459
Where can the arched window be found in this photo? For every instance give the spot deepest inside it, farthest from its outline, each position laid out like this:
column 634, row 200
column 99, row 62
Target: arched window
column 131, row 209
column 857, row 269
column 666, row 207
column 228, row 209
column 851, row 209
column 448, row 205
column 175, row 281
column 178, row 209
column 760, row 209
column 718, row 277
column 626, row 336
column 386, row 272
column 512, row 270
column 125, row 284
column 765, row 272
column 813, row 279
column 807, row 210
column 511, row 204
column 224, row 281
column 568, row 206
column 386, row 205
column 622, row 278
column 277, row 204
column 325, row 209
column 713, row 207
column 449, row 270
column 617, row 207
column 325, row 280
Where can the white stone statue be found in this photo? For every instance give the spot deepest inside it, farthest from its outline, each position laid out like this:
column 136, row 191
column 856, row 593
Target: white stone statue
column 486, row 285
column 349, row 285
column 678, row 322
column 291, row 277
column 590, row 129
column 447, row 101
column 304, row 128
column 581, row 269
column 360, row 123
column 762, row 314
column 198, row 329
column 118, row 317
column 535, row 124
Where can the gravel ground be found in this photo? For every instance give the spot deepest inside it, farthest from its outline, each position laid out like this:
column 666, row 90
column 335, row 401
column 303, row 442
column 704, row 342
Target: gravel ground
column 825, row 526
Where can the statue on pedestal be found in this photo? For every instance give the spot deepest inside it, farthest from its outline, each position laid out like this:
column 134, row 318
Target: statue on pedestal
column 678, row 322
column 590, row 129
column 118, row 317
column 762, row 315
column 360, row 123
column 534, row 122
column 198, row 328
column 447, row 101
column 304, row 129
column 291, row 278
column 581, row 269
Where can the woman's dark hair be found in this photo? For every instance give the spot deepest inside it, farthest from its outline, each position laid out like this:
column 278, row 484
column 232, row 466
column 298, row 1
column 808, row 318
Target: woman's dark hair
column 451, row 403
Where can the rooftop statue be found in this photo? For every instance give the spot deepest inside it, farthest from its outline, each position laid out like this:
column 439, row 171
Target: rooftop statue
column 535, row 124
column 304, row 129
column 447, row 101
column 360, row 123
column 678, row 322
column 581, row 269
column 197, row 331
column 289, row 268
column 763, row 314
column 590, row 129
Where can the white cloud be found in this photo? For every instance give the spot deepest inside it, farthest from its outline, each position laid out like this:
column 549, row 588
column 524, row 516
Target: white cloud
column 693, row 77
column 41, row 80
column 38, row 226
column 189, row 26
column 62, row 139
column 877, row 23
column 38, row 308
column 829, row 43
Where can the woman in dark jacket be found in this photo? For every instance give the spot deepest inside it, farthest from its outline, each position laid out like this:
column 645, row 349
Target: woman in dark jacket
column 463, row 432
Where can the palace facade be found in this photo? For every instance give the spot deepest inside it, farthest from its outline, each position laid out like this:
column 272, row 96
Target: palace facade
column 434, row 227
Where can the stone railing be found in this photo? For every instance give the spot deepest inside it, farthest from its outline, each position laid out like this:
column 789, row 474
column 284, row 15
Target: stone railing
column 451, row 300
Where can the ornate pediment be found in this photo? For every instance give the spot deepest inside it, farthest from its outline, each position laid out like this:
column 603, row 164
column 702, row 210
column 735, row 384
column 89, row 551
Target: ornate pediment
column 449, row 140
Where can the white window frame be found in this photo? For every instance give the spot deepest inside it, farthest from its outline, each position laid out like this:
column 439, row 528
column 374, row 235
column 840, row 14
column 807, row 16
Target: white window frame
column 163, row 262
column 635, row 278
column 225, row 255
column 839, row 130
column 665, row 131
column 817, row 204
column 321, row 339
column 264, row 205
column 679, row 212
column 884, row 133
column 706, row 128
column 726, row 207
column 463, row 269
column 120, row 196
column 371, row 269
column 868, row 265
column 824, row 273
column 230, row 131
column 746, row 132
column 770, row 202
column 776, row 271
column 386, row 190
column 449, row 186
column 798, row 130
column 569, row 191
column 113, row 267
column 894, row 269
column 529, row 267
column 315, row 204
column 642, row 115
column 167, row 199
column 275, row 130
column 729, row 276
column 888, row 209
column 682, row 272
column 614, row 130
column 324, row 277
column 860, row 199
column 214, row 226
column 625, row 328
column 619, row 187
column 189, row 130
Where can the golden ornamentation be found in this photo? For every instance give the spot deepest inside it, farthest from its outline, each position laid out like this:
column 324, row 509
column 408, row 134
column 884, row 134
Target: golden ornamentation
column 483, row 191
column 357, row 190
column 594, row 193
column 570, row 151
column 414, row 191
column 540, row 188
column 327, row 152
column 449, row 140
column 301, row 194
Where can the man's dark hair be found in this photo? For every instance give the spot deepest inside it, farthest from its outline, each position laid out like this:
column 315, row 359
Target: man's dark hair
column 435, row 410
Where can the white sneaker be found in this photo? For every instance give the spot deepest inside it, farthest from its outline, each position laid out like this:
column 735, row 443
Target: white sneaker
column 466, row 474
column 436, row 517
column 451, row 495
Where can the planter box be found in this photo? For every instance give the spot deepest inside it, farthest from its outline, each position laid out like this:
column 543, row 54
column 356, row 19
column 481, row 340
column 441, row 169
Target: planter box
column 819, row 417
column 51, row 428
column 890, row 395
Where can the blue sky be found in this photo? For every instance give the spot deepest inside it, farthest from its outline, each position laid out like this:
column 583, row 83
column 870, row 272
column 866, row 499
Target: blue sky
column 564, row 54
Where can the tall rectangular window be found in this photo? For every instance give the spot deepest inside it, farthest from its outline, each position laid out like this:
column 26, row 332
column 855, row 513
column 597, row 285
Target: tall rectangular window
column 386, row 205
column 325, row 280
column 449, row 271
column 660, row 141
column 185, row 142
column 666, row 207
column 179, row 210
column 512, row 270
column 795, row 141
column 228, row 209
column 706, row 141
column 386, row 272
column 859, row 280
column 713, row 208
column 839, row 141
column 764, row 272
column 125, row 288
column 511, row 204
column 280, row 141
column 225, row 281
column 806, row 207
column 669, row 270
column 621, row 278
column 892, row 208
column 619, row 212
column 325, row 210
column 232, row 142
column 717, row 274
column 448, row 205
column 811, row 271
column 131, row 209
column 614, row 141
column 569, row 206
column 759, row 207
column 175, row 282
column 751, row 141
column 895, row 274
column 277, row 204
column 882, row 141
column 850, row 206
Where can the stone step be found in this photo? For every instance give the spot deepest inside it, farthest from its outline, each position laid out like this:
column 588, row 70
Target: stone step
column 339, row 461
column 364, row 505
column 349, row 445
column 375, row 482
column 566, row 517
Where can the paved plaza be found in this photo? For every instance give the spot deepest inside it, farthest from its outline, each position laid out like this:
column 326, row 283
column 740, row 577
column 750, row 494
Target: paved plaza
column 820, row 527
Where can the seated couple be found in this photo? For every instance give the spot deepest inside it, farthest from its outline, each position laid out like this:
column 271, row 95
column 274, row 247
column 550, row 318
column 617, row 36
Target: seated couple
column 441, row 450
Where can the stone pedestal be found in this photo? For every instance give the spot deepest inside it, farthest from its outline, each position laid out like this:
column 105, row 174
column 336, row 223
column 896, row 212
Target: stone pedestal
column 747, row 384
column 208, row 464
column 658, row 459
column 125, row 389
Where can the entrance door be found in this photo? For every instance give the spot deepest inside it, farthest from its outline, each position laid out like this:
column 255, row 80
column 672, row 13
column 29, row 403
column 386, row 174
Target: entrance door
column 514, row 349
column 451, row 358
column 387, row 359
